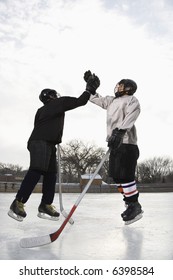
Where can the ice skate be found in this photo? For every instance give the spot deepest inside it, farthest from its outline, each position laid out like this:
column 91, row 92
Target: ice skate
column 46, row 211
column 133, row 213
column 17, row 211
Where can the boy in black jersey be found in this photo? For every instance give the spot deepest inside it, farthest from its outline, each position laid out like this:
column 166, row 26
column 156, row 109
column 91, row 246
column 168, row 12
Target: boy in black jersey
column 47, row 132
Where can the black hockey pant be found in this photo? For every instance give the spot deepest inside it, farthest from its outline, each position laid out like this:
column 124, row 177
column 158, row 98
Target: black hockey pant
column 122, row 166
column 31, row 179
column 42, row 162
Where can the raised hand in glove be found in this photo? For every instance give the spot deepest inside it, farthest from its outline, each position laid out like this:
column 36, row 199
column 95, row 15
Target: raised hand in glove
column 93, row 83
column 87, row 74
column 116, row 139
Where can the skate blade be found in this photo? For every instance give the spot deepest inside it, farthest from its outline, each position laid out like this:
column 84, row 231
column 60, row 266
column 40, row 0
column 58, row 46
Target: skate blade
column 14, row 216
column 47, row 217
column 138, row 217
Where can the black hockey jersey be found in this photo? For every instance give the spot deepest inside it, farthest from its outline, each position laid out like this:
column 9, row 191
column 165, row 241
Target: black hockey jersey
column 49, row 119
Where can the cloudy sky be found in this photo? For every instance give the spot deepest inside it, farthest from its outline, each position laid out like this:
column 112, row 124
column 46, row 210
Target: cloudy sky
column 51, row 43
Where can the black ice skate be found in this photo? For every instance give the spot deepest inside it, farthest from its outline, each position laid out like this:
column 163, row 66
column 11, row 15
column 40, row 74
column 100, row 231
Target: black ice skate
column 133, row 213
column 46, row 211
column 17, row 211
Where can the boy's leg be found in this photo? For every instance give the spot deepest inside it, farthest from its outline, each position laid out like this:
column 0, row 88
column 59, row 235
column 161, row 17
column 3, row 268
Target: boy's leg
column 46, row 209
column 49, row 177
column 28, row 184
column 49, row 182
column 38, row 160
column 122, row 167
column 17, row 207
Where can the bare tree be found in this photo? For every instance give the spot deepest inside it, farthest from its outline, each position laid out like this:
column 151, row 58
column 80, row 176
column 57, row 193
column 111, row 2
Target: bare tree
column 78, row 158
column 10, row 168
column 154, row 170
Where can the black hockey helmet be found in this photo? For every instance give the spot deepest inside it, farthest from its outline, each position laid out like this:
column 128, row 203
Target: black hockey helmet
column 129, row 86
column 47, row 94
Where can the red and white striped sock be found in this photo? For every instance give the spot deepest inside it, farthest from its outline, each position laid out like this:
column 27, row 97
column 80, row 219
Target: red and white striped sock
column 129, row 189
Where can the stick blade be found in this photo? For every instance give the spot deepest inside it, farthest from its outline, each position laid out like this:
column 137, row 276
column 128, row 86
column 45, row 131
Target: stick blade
column 31, row 242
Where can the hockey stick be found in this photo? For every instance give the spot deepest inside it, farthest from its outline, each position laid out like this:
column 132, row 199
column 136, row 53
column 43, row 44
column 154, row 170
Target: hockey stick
column 30, row 242
column 60, row 187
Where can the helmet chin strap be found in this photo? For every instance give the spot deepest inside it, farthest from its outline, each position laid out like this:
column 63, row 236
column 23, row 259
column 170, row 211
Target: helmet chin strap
column 53, row 96
column 121, row 93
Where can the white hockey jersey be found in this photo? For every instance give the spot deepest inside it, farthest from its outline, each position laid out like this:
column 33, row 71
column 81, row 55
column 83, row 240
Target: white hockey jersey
column 122, row 113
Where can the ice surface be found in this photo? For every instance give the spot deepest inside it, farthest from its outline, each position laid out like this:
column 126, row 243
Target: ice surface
column 98, row 232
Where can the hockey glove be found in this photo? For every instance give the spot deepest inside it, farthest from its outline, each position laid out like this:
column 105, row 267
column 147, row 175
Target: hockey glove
column 116, row 139
column 92, row 84
column 87, row 74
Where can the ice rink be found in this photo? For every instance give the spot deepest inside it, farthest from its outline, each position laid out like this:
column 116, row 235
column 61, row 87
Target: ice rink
column 98, row 232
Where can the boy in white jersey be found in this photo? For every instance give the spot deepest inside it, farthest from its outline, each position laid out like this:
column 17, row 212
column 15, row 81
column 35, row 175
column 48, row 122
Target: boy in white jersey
column 122, row 111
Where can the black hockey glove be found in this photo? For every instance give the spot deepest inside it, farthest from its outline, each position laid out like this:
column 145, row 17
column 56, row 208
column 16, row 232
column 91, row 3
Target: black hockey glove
column 92, row 84
column 87, row 74
column 116, row 139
